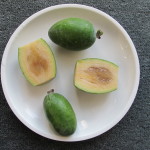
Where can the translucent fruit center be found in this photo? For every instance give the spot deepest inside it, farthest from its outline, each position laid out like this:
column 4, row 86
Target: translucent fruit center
column 99, row 75
column 37, row 63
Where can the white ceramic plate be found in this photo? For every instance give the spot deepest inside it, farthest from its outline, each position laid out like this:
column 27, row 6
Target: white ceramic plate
column 95, row 113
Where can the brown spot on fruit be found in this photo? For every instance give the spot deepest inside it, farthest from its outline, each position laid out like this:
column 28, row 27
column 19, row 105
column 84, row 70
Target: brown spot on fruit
column 37, row 63
column 99, row 75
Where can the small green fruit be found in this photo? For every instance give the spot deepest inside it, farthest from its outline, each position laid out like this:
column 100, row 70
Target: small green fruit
column 60, row 113
column 73, row 34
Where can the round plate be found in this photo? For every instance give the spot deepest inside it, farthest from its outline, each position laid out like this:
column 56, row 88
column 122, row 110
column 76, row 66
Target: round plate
column 96, row 113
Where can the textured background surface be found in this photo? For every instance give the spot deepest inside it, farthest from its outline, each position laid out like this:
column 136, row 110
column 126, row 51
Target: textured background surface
column 133, row 131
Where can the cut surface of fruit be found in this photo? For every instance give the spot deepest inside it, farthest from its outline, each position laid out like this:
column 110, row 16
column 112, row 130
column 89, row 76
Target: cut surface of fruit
column 37, row 62
column 95, row 75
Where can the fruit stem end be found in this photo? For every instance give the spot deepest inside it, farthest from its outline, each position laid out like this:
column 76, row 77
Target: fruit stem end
column 99, row 33
column 50, row 91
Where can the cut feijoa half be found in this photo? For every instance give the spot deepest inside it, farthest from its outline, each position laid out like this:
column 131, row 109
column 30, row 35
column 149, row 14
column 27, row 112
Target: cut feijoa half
column 95, row 75
column 37, row 62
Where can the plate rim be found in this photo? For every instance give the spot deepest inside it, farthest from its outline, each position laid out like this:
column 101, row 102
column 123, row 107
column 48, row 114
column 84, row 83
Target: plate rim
column 133, row 92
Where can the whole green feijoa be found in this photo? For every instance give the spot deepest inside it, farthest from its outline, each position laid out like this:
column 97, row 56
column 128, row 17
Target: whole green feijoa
column 60, row 113
column 74, row 33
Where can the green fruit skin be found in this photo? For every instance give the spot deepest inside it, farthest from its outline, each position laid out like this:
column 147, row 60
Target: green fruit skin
column 73, row 33
column 60, row 113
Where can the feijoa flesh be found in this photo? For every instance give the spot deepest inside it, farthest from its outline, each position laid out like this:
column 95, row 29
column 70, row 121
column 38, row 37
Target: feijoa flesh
column 37, row 62
column 95, row 75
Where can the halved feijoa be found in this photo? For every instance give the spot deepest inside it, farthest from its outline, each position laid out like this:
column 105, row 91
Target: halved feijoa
column 37, row 62
column 95, row 75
